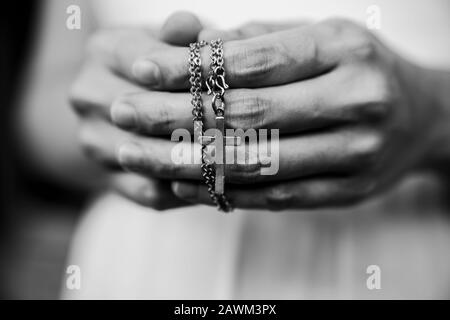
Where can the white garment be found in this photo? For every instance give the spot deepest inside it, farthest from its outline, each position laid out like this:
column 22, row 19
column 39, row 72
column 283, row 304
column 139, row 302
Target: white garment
column 126, row 251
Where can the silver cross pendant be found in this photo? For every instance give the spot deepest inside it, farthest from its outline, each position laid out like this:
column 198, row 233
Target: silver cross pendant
column 220, row 141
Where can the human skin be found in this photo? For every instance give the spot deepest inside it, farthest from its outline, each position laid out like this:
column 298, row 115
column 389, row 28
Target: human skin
column 354, row 117
column 97, row 86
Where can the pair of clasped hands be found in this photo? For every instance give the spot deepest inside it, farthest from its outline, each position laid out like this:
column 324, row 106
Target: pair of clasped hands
column 344, row 104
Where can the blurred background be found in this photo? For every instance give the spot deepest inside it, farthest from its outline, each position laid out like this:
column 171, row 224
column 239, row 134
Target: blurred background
column 39, row 207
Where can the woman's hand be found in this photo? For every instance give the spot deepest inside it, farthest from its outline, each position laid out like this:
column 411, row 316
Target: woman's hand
column 353, row 117
column 110, row 73
column 98, row 85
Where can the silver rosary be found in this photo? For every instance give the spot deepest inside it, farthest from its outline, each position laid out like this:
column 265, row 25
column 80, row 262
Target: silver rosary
column 213, row 172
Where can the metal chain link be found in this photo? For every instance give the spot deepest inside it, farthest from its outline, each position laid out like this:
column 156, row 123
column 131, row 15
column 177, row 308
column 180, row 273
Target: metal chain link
column 216, row 84
column 195, row 80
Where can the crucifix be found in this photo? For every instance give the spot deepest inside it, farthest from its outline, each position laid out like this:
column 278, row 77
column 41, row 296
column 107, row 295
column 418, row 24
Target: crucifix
column 220, row 141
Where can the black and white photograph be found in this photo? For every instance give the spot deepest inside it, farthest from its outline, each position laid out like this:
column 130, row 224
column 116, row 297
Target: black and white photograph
column 239, row 152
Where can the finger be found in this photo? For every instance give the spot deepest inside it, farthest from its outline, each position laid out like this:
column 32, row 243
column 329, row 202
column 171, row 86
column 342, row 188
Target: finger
column 124, row 50
column 341, row 151
column 180, row 29
column 96, row 88
column 99, row 140
column 266, row 60
column 248, row 30
column 117, row 149
column 118, row 49
column 297, row 107
column 336, row 152
column 146, row 191
column 318, row 192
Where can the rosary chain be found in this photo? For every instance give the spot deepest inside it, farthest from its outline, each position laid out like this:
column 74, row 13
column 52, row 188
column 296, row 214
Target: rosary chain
column 195, row 80
column 216, row 70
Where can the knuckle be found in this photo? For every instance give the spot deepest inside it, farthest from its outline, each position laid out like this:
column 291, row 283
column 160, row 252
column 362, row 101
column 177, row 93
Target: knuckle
column 358, row 40
column 160, row 120
column 247, row 109
column 362, row 45
column 379, row 97
column 278, row 198
column 163, row 169
column 246, row 173
column 256, row 61
column 373, row 96
column 310, row 48
column 125, row 99
column 172, row 79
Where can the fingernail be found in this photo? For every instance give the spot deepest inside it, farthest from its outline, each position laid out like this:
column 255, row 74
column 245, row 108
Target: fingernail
column 124, row 115
column 183, row 191
column 175, row 187
column 130, row 155
column 146, row 72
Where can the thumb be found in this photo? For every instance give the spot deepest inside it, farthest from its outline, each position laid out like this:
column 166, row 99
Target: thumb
column 180, row 28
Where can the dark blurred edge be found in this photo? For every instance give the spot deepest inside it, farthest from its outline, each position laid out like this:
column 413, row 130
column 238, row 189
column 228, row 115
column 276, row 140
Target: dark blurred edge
column 16, row 24
column 22, row 190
